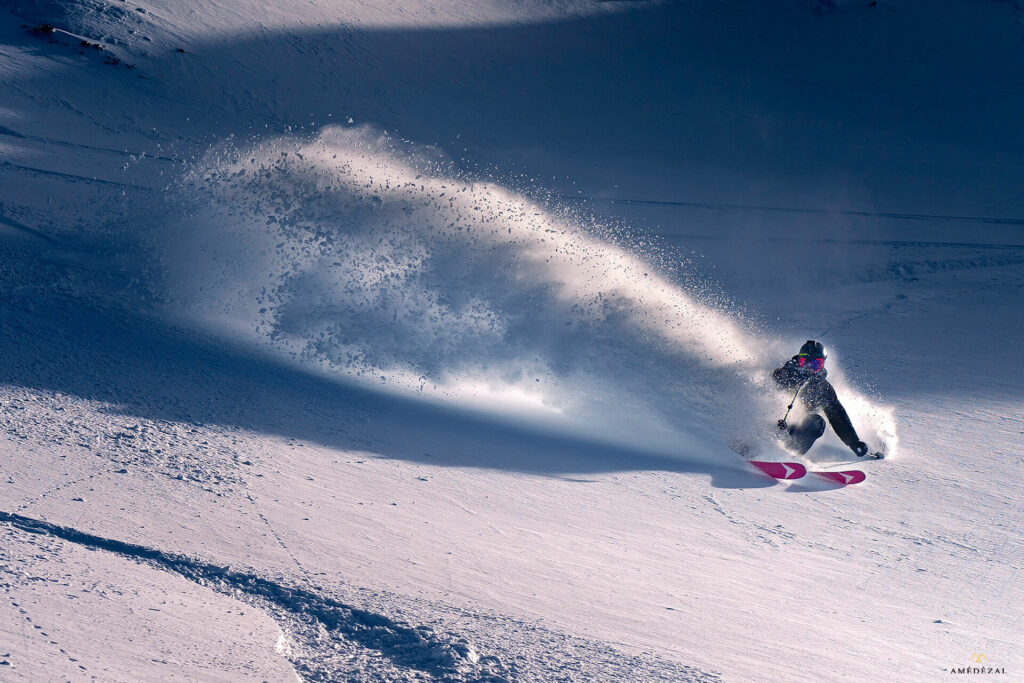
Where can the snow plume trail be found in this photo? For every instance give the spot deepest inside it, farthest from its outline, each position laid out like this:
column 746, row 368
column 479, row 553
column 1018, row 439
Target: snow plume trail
column 361, row 256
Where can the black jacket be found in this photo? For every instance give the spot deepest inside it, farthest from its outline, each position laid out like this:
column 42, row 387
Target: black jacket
column 817, row 394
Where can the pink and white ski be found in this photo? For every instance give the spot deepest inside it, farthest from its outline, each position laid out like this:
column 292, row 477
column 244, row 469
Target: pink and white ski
column 845, row 477
column 780, row 470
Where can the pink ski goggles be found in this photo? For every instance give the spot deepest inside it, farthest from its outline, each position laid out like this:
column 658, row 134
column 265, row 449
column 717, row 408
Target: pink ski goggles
column 815, row 364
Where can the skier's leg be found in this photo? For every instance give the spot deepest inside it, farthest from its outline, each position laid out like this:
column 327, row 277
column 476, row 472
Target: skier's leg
column 794, row 439
column 803, row 434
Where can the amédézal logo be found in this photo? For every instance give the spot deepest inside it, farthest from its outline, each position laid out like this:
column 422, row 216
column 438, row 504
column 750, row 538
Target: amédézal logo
column 981, row 660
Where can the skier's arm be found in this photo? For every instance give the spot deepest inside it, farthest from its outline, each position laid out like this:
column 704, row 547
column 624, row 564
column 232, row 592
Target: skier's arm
column 786, row 375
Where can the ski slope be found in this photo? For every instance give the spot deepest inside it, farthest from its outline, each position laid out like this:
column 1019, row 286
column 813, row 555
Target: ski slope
column 346, row 342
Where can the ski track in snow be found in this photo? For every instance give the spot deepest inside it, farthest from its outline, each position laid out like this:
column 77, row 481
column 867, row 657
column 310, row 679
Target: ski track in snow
column 303, row 611
column 328, row 640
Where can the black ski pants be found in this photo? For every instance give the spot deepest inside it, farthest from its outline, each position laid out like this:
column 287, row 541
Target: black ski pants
column 803, row 434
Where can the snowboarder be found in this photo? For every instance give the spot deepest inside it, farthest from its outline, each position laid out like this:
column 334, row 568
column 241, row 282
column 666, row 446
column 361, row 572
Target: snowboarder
column 805, row 373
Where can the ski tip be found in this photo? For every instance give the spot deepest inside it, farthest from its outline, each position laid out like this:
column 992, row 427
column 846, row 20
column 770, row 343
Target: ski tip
column 780, row 470
column 846, row 478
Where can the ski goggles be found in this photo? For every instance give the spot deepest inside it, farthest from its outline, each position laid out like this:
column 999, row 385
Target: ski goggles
column 815, row 364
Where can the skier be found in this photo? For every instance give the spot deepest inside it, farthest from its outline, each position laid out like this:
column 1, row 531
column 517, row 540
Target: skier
column 805, row 373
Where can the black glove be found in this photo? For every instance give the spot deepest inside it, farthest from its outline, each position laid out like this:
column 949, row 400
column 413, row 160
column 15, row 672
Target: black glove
column 860, row 448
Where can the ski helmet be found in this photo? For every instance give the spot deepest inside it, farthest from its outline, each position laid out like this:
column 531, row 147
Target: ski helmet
column 812, row 355
column 813, row 350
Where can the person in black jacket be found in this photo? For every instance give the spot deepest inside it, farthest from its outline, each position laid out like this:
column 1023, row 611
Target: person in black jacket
column 805, row 373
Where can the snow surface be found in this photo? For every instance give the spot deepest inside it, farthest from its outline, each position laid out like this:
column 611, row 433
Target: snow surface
column 409, row 340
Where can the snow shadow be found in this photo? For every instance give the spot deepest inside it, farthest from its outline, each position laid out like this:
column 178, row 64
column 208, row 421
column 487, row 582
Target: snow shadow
column 682, row 93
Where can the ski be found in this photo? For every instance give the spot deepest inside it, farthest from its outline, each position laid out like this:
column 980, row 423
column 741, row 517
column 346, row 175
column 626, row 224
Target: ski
column 845, row 477
column 780, row 470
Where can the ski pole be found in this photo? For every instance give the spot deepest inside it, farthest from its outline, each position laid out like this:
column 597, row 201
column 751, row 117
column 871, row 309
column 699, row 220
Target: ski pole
column 782, row 423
